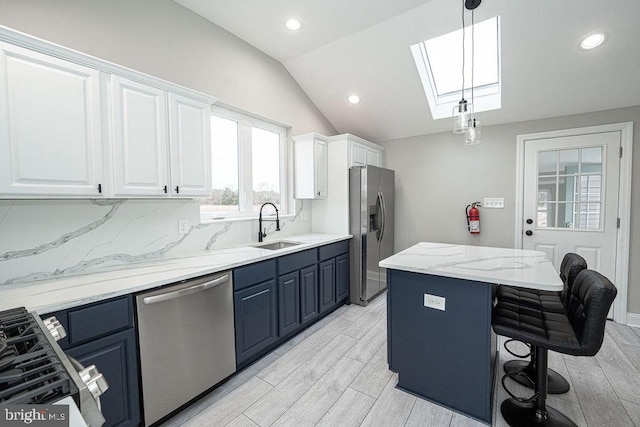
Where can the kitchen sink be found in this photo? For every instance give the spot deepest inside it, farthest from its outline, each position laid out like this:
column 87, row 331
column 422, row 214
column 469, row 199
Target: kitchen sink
column 276, row 245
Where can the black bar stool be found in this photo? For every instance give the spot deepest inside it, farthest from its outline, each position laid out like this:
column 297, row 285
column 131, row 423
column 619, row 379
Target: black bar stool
column 554, row 302
column 579, row 332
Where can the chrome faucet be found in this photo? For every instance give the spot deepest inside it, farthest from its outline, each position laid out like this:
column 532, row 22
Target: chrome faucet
column 262, row 234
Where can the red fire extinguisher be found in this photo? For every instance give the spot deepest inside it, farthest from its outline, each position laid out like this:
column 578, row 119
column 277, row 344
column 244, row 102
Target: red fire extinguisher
column 473, row 218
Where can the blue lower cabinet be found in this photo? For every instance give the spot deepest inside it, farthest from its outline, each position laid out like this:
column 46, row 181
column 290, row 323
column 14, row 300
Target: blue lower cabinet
column 342, row 277
column 256, row 315
column 309, row 309
column 104, row 334
column 289, row 303
column 327, row 284
column 115, row 358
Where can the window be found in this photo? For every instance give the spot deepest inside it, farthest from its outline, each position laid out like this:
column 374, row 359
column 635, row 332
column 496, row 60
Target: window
column 570, row 188
column 248, row 166
column 439, row 63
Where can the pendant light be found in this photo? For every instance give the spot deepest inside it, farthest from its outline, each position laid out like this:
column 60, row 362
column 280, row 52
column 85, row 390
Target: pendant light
column 461, row 112
column 473, row 133
column 463, row 117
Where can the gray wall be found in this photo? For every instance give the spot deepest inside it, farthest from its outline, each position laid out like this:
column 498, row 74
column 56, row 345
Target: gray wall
column 166, row 40
column 437, row 176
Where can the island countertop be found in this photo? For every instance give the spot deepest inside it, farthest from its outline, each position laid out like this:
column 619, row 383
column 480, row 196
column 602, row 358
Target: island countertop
column 514, row 267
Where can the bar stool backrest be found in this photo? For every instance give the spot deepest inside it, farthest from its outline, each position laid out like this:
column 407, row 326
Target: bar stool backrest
column 571, row 265
column 589, row 301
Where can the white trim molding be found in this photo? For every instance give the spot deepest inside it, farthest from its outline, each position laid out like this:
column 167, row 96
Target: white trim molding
column 633, row 319
column 620, row 314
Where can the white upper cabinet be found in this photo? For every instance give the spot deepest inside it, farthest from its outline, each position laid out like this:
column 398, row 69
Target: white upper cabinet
column 374, row 157
column 50, row 126
column 190, row 136
column 73, row 126
column 140, row 143
column 310, row 166
column 358, row 154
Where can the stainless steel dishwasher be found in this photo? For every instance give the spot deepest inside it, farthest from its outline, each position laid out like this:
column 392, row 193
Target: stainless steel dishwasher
column 187, row 341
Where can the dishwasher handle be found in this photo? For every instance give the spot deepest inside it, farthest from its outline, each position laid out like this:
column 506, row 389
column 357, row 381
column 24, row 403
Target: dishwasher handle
column 186, row 291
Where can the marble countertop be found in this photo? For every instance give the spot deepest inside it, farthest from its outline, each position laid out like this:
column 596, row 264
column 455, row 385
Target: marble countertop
column 51, row 295
column 515, row 267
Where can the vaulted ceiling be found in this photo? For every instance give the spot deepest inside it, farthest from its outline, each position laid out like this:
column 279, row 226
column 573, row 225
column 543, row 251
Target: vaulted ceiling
column 362, row 46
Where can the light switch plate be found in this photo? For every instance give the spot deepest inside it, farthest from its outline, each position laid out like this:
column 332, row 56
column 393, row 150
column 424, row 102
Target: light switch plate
column 434, row 301
column 493, row 203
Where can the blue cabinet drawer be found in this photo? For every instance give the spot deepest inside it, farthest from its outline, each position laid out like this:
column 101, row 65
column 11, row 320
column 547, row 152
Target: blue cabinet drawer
column 297, row 261
column 244, row 277
column 88, row 322
column 333, row 250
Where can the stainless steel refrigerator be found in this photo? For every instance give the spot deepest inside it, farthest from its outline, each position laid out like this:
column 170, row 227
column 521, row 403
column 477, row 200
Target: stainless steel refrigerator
column 371, row 200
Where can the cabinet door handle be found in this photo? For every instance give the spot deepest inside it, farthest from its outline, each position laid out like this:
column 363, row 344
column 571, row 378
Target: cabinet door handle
column 165, row 189
column 318, row 193
column 100, row 188
column 177, row 190
column 186, row 291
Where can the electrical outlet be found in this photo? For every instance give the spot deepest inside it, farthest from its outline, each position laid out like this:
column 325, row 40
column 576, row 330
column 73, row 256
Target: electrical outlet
column 434, row 301
column 183, row 226
column 493, row 203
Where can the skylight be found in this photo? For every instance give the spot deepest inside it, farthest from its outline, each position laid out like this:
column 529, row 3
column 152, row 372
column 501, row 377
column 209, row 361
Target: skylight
column 439, row 63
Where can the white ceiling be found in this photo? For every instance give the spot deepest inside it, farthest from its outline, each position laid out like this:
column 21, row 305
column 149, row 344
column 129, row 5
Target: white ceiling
column 362, row 46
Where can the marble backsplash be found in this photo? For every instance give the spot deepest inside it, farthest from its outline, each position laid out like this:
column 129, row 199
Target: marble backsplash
column 44, row 239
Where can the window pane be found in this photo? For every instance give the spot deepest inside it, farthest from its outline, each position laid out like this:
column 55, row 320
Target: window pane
column 592, row 160
column 547, row 185
column 546, row 215
column 589, row 216
column 568, row 162
column 445, row 57
column 567, row 189
column 224, row 164
column 547, row 162
column 566, row 215
column 265, row 148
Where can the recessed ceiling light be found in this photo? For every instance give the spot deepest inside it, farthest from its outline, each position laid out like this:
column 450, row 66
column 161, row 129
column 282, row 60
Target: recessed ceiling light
column 293, row 24
column 592, row 40
column 353, row 99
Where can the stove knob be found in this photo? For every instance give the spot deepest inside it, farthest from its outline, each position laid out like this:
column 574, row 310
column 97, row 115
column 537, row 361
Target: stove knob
column 55, row 328
column 94, row 381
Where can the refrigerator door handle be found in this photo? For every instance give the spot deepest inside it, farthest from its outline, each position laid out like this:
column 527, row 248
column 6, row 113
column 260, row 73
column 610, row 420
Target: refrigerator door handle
column 384, row 214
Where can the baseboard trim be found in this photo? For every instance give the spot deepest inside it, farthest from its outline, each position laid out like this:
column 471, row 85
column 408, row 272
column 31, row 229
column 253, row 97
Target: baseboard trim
column 633, row 319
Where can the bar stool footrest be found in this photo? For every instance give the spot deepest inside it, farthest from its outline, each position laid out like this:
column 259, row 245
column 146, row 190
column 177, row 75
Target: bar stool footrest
column 557, row 384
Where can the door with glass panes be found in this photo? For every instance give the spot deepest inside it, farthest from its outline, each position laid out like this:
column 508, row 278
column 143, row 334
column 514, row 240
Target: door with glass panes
column 571, row 198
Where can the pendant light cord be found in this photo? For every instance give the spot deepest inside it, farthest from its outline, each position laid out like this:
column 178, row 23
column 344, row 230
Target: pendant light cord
column 472, row 56
column 462, row 91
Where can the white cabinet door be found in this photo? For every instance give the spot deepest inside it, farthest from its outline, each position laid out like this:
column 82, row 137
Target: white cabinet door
column 139, row 139
column 190, row 146
column 320, row 169
column 374, row 157
column 358, row 155
column 310, row 167
column 50, row 126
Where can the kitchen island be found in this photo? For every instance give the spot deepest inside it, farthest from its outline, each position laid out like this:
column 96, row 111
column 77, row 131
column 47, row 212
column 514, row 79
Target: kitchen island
column 439, row 336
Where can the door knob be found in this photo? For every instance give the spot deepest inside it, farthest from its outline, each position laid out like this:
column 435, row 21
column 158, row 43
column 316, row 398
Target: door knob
column 529, row 221
column 528, row 232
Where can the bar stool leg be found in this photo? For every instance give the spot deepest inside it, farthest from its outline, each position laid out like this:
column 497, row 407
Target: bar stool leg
column 519, row 414
column 557, row 384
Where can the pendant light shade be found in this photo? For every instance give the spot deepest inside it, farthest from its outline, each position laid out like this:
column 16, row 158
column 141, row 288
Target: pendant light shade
column 461, row 117
column 473, row 134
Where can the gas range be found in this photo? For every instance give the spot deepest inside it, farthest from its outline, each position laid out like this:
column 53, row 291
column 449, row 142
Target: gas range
column 34, row 370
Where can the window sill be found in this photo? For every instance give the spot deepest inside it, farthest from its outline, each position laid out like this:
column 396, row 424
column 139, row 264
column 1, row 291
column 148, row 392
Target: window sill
column 241, row 218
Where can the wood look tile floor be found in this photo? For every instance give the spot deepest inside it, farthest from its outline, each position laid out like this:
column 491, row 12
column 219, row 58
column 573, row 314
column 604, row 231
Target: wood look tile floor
column 335, row 373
